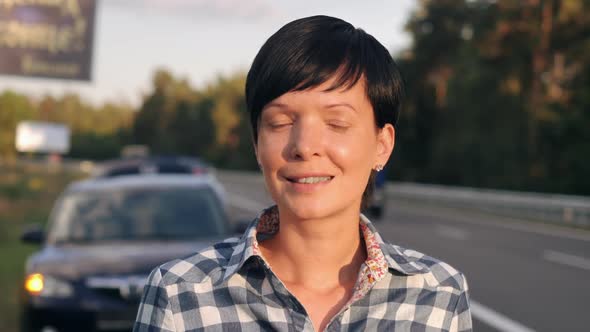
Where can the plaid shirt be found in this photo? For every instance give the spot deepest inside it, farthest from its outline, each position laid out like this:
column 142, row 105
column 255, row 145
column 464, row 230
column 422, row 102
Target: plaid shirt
column 229, row 287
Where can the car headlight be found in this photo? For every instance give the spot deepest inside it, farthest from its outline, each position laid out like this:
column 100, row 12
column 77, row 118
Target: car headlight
column 43, row 285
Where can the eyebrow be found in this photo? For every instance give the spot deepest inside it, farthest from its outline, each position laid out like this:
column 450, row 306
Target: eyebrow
column 347, row 105
column 285, row 106
column 276, row 104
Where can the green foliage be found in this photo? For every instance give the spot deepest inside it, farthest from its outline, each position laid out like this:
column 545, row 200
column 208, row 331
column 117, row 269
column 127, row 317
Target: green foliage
column 146, row 127
column 97, row 133
column 210, row 123
column 14, row 108
column 497, row 93
column 96, row 146
column 192, row 125
column 27, row 193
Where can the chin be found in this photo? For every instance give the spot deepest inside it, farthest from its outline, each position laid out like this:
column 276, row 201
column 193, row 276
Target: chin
column 312, row 209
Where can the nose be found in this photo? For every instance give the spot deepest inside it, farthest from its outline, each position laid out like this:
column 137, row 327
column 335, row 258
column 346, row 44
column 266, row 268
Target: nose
column 305, row 140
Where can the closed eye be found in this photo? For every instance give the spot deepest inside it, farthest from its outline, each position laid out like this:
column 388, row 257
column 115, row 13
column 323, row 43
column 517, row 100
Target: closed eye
column 339, row 125
column 279, row 125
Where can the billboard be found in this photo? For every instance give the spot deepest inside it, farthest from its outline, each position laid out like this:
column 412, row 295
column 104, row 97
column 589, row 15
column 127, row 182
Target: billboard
column 36, row 136
column 47, row 38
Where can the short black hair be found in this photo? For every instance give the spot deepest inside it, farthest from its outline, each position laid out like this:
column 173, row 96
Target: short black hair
column 309, row 51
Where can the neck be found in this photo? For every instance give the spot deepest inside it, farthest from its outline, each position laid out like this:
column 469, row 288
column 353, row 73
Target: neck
column 319, row 253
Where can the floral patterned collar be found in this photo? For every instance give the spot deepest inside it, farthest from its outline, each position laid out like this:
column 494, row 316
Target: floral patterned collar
column 380, row 257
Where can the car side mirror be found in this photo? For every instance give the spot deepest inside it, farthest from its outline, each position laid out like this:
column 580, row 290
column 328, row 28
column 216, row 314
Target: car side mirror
column 241, row 225
column 33, row 235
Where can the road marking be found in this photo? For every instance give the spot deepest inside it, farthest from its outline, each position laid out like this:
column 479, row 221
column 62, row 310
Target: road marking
column 567, row 259
column 519, row 225
column 453, row 233
column 486, row 219
column 496, row 319
column 479, row 311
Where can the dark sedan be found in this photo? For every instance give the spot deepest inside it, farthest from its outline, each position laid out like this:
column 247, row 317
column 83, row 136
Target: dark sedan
column 152, row 165
column 105, row 236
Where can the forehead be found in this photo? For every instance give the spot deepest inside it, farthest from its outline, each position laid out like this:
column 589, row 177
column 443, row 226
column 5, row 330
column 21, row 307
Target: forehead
column 326, row 94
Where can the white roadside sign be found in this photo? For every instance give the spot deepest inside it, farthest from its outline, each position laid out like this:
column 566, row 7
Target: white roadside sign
column 34, row 136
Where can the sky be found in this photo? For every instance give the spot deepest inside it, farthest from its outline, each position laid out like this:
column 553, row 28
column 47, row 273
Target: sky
column 199, row 40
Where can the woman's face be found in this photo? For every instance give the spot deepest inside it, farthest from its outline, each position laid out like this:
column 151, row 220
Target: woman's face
column 317, row 148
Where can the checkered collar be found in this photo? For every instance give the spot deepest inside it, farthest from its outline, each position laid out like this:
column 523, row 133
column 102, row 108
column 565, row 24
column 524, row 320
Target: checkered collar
column 380, row 256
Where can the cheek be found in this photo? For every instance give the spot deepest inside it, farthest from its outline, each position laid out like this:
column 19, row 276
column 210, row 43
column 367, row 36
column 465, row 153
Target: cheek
column 353, row 152
column 270, row 151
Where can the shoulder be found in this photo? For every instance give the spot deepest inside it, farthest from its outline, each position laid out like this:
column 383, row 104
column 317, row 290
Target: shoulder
column 436, row 273
column 209, row 263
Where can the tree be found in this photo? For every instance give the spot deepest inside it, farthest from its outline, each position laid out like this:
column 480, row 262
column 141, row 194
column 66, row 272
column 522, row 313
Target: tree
column 14, row 108
column 492, row 87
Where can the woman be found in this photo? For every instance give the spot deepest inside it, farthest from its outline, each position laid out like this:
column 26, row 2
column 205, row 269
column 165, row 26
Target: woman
column 323, row 99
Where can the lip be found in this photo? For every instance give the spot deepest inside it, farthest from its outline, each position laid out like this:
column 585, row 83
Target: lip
column 306, row 188
column 290, row 177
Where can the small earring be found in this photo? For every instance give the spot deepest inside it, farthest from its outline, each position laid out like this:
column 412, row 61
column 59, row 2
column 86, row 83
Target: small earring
column 379, row 167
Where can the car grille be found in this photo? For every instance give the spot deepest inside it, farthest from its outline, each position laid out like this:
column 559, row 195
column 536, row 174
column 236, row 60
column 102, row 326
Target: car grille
column 122, row 288
column 112, row 293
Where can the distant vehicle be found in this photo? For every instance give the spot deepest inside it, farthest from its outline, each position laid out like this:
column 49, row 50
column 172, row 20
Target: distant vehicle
column 103, row 238
column 153, row 165
column 47, row 137
column 135, row 151
column 376, row 205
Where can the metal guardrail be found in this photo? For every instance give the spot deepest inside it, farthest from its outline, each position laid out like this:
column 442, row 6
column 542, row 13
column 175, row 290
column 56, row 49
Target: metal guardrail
column 552, row 208
column 559, row 209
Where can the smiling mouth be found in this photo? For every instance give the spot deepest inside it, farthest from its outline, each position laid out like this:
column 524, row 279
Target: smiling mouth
column 311, row 179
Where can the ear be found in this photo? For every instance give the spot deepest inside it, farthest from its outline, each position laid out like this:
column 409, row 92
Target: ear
column 385, row 143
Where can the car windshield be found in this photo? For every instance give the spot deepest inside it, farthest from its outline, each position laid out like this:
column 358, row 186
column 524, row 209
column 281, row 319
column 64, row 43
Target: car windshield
column 138, row 214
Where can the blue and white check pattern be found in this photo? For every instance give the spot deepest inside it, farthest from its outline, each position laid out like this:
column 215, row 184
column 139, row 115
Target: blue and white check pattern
column 229, row 287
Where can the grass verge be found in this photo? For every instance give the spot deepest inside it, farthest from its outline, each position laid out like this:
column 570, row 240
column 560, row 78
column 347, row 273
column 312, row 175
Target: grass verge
column 27, row 193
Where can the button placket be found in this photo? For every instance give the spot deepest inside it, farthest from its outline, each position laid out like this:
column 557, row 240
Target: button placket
column 298, row 315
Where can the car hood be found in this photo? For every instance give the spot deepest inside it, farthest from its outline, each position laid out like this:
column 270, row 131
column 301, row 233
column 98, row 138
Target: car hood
column 74, row 262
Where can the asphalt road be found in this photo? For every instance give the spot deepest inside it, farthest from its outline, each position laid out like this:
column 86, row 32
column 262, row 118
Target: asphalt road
column 523, row 276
